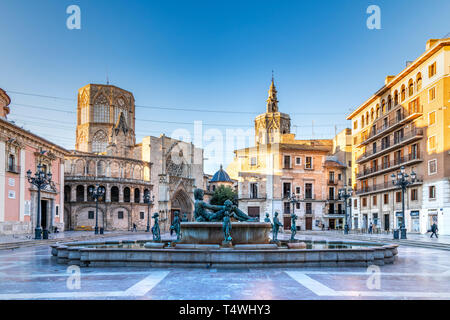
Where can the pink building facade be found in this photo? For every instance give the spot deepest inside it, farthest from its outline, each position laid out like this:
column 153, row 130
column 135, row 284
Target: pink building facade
column 20, row 151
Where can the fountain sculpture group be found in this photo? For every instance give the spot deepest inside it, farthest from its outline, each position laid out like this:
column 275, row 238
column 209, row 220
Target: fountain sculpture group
column 223, row 236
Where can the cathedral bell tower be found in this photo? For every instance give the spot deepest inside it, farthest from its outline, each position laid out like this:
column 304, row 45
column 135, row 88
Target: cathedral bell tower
column 105, row 120
column 270, row 126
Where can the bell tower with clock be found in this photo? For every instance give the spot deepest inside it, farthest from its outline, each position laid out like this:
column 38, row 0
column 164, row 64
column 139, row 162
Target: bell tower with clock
column 105, row 120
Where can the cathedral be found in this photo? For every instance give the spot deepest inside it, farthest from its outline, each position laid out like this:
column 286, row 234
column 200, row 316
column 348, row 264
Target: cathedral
column 106, row 154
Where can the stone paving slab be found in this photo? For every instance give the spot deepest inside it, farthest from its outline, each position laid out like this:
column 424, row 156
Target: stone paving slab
column 418, row 273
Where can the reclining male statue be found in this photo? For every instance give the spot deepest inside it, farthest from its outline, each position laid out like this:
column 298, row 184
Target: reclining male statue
column 216, row 213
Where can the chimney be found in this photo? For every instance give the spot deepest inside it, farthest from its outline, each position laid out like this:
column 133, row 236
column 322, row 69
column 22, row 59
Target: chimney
column 430, row 43
column 388, row 79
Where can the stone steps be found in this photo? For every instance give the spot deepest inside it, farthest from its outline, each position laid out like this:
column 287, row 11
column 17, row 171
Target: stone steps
column 31, row 243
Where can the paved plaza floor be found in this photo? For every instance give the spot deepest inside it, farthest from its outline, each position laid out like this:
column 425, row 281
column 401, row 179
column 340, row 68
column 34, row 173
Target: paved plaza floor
column 418, row 273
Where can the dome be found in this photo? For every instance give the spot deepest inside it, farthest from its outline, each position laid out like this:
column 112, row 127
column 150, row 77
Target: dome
column 221, row 176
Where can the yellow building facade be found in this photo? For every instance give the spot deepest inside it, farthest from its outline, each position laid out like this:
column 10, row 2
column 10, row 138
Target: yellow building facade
column 405, row 123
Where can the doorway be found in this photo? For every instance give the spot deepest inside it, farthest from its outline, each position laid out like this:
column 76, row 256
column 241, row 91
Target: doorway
column 44, row 218
column 308, row 223
column 386, row 222
column 253, row 212
column 332, row 224
column 287, row 222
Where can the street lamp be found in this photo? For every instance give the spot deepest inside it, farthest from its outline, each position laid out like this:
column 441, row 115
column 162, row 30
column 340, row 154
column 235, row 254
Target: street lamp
column 402, row 181
column 97, row 192
column 293, row 199
column 41, row 179
column 149, row 201
column 345, row 194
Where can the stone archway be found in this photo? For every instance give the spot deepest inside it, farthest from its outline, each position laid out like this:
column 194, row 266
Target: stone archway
column 181, row 202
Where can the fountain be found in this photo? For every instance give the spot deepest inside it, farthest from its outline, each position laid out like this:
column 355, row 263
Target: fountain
column 223, row 236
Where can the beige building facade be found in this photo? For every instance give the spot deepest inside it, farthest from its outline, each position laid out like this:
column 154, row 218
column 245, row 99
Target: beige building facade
column 279, row 166
column 405, row 123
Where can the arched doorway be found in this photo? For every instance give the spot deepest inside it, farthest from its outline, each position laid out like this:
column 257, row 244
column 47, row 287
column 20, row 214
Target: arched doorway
column 181, row 202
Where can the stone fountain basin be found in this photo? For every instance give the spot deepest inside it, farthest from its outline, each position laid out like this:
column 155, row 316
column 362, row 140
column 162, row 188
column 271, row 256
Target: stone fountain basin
column 211, row 232
column 95, row 254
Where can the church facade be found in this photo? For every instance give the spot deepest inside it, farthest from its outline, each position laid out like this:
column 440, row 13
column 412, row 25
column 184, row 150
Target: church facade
column 106, row 154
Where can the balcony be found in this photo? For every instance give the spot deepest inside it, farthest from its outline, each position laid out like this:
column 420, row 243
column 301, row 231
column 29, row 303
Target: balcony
column 398, row 120
column 390, row 165
column 385, row 186
column 410, row 136
column 13, row 168
column 332, row 182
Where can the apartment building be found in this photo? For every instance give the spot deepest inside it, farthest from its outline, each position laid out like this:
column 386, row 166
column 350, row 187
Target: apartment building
column 405, row 124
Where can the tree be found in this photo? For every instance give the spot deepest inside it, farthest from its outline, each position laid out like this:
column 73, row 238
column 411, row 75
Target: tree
column 223, row 193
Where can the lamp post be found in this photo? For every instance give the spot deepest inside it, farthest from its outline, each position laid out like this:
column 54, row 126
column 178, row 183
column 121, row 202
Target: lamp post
column 149, row 201
column 345, row 194
column 97, row 192
column 41, row 179
column 401, row 180
column 293, row 199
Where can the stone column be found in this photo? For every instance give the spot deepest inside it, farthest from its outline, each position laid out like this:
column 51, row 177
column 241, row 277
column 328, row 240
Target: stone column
column 85, row 192
column 73, row 193
column 132, row 195
column 108, row 193
column 121, row 193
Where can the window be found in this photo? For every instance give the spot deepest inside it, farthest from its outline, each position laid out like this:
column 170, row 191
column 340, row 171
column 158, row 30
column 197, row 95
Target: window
column 431, row 69
column 340, row 177
column 386, row 198
column 90, row 214
column 331, row 193
column 431, row 143
column 287, row 162
column 355, row 203
column 431, row 118
column 298, row 161
column 297, row 190
column 355, row 124
column 57, row 210
column 253, row 161
column 432, row 94
column 101, row 113
column 141, row 215
column 297, row 205
column 287, row 207
column 410, row 88
column 286, row 189
column 308, row 163
column 120, row 214
column 374, row 200
column 413, row 106
column 432, row 192
column 253, row 190
column 432, row 166
column 398, row 196
column 403, row 93
column 414, row 195
column 364, row 202
column 419, row 81
column 331, row 176
column 308, row 208
column 308, row 191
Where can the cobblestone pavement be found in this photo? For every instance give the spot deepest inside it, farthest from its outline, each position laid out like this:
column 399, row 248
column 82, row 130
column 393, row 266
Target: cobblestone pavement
column 418, row 273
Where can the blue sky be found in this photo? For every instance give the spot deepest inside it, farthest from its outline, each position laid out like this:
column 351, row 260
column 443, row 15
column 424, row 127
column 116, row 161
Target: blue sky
column 213, row 55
